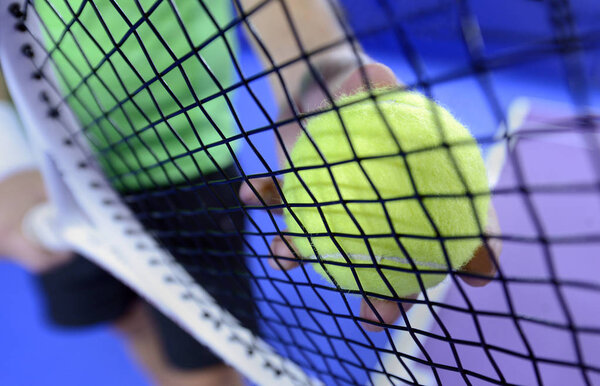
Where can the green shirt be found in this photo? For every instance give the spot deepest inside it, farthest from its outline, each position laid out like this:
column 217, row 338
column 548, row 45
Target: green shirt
column 134, row 80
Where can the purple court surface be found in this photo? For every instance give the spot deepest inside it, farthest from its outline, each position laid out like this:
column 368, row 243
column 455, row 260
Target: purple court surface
column 548, row 306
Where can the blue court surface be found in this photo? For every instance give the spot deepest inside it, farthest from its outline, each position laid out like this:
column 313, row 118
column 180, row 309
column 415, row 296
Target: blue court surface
column 35, row 353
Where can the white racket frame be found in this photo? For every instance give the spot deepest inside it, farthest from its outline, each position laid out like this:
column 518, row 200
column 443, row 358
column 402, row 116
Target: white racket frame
column 93, row 220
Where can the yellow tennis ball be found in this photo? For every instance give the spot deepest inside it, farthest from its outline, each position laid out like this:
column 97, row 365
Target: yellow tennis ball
column 414, row 182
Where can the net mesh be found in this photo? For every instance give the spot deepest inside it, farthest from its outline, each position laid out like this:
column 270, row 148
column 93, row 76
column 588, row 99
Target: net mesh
column 179, row 113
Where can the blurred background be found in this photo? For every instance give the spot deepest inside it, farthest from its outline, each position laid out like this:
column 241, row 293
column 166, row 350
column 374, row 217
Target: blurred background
column 514, row 58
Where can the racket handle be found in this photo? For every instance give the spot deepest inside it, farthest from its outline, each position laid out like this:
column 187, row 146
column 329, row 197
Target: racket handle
column 40, row 226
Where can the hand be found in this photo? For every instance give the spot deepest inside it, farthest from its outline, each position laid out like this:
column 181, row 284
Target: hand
column 478, row 272
column 18, row 194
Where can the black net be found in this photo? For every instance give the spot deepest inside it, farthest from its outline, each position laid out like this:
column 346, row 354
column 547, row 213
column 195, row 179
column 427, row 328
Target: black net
column 180, row 113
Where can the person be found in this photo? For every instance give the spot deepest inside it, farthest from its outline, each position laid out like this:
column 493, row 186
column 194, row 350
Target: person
column 281, row 32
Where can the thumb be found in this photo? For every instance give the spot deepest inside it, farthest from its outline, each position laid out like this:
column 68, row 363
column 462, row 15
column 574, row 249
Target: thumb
column 260, row 191
column 372, row 75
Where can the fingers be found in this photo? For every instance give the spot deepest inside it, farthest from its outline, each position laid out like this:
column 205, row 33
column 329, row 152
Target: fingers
column 283, row 257
column 387, row 311
column 263, row 188
column 375, row 75
column 370, row 75
column 485, row 259
column 484, row 263
column 33, row 257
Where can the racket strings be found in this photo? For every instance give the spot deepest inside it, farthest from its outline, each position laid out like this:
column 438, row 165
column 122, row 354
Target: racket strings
column 319, row 331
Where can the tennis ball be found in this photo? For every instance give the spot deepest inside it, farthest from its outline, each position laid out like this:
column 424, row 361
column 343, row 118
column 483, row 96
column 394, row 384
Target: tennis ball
column 357, row 201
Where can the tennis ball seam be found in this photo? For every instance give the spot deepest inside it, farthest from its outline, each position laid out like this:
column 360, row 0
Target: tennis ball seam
column 379, row 259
